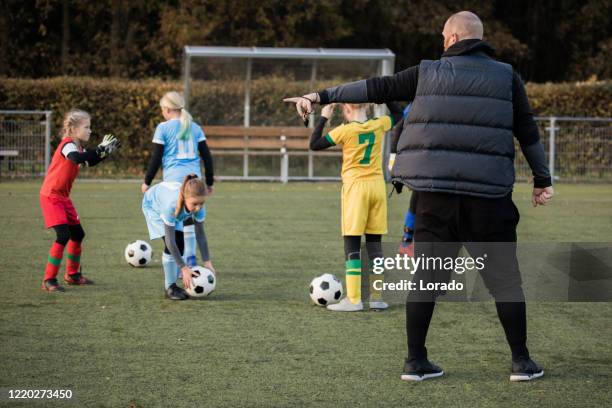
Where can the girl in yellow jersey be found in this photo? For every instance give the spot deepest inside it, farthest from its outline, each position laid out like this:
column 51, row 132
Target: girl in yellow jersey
column 364, row 198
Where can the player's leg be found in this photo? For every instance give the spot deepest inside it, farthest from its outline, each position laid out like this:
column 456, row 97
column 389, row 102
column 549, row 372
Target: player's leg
column 179, row 236
column 54, row 260
column 352, row 254
column 156, row 228
column 190, row 242
column 73, row 274
column 55, row 217
column 354, row 218
column 374, row 248
column 171, row 270
column 376, row 226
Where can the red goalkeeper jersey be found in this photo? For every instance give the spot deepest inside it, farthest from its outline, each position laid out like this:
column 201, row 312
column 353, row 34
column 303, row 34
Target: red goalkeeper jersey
column 61, row 173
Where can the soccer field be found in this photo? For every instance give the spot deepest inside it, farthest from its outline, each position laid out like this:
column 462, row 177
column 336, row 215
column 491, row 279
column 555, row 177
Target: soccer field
column 257, row 341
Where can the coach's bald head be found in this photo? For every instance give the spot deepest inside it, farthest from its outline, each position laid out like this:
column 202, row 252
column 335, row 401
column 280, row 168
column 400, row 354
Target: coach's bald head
column 462, row 26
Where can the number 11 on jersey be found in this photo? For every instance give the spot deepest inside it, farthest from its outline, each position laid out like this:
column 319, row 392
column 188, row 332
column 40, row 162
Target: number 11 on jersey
column 186, row 149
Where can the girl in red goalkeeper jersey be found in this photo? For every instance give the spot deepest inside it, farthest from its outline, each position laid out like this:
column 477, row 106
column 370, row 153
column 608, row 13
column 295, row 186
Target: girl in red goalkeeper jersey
column 57, row 208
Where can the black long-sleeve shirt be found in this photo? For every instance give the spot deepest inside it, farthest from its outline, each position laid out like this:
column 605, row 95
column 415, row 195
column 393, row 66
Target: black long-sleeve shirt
column 158, row 153
column 87, row 157
column 403, row 85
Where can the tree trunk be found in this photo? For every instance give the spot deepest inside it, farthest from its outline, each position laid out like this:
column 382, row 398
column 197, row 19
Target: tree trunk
column 65, row 36
column 4, row 39
column 115, row 52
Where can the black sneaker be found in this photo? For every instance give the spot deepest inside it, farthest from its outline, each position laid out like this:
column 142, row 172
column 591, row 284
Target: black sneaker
column 51, row 285
column 176, row 293
column 525, row 369
column 420, row 369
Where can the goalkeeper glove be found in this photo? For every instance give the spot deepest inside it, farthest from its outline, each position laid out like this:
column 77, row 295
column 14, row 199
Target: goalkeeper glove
column 108, row 146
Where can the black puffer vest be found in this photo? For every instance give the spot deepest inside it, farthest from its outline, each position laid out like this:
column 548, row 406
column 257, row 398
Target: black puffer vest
column 459, row 138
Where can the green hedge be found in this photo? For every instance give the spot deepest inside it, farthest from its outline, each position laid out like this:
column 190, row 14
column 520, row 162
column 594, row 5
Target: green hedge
column 571, row 99
column 130, row 109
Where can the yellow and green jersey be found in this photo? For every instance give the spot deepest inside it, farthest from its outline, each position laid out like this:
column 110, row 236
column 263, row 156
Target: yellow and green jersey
column 361, row 147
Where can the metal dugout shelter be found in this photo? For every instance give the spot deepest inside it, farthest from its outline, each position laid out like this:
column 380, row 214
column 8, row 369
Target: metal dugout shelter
column 383, row 59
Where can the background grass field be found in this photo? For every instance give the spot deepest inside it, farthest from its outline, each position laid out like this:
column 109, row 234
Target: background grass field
column 257, row 341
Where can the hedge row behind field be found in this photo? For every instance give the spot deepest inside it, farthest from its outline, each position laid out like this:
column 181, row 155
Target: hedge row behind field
column 130, row 109
column 592, row 99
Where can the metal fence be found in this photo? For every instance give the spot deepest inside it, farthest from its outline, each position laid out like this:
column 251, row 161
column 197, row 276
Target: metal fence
column 25, row 143
column 577, row 149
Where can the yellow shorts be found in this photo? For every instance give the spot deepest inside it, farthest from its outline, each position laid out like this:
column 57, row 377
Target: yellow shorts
column 364, row 207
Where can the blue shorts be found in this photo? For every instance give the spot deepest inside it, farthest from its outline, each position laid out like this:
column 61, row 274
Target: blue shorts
column 155, row 224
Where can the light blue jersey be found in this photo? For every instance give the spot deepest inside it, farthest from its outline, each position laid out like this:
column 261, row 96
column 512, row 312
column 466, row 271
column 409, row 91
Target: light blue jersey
column 180, row 156
column 159, row 206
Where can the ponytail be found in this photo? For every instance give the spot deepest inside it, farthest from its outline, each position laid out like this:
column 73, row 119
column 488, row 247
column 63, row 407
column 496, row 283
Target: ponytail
column 186, row 120
column 192, row 186
column 174, row 101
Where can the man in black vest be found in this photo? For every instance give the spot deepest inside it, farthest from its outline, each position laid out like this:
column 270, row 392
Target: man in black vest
column 457, row 151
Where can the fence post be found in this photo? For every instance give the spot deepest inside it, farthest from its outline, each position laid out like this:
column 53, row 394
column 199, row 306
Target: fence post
column 247, row 116
column 284, row 170
column 551, row 146
column 47, row 139
column 313, row 77
column 245, row 158
column 310, row 164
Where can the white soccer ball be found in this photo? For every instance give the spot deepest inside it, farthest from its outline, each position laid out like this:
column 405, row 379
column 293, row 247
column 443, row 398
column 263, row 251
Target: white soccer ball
column 203, row 282
column 325, row 290
column 138, row 253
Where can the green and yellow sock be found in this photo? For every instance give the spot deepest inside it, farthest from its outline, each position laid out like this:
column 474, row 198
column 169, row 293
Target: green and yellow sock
column 353, row 280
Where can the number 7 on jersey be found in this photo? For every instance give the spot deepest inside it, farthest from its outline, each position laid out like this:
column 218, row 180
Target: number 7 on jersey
column 368, row 138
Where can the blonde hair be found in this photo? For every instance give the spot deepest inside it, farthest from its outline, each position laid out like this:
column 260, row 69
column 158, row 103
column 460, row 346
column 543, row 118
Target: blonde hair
column 174, row 101
column 72, row 119
column 192, row 187
column 357, row 106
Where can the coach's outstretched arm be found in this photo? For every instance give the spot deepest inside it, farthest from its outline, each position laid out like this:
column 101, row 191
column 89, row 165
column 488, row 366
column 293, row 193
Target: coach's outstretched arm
column 399, row 87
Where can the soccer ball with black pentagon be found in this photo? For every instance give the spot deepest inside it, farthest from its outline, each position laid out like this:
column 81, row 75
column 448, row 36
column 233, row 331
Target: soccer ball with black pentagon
column 138, row 253
column 203, row 282
column 325, row 290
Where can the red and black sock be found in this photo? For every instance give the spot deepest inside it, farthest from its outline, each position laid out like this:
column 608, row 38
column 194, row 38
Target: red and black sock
column 73, row 263
column 54, row 260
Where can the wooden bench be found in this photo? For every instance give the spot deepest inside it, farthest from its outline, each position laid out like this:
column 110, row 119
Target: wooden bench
column 265, row 141
column 7, row 153
column 257, row 138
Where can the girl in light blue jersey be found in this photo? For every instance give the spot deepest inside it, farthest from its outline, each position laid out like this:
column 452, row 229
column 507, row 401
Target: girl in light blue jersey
column 178, row 145
column 165, row 206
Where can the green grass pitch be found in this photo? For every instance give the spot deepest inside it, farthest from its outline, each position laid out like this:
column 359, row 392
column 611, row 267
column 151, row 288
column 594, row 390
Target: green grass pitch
column 257, row 341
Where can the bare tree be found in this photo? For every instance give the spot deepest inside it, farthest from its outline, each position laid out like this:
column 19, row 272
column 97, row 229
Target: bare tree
column 65, row 35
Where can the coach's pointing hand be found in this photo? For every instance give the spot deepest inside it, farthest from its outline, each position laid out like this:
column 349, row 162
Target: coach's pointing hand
column 541, row 196
column 303, row 104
